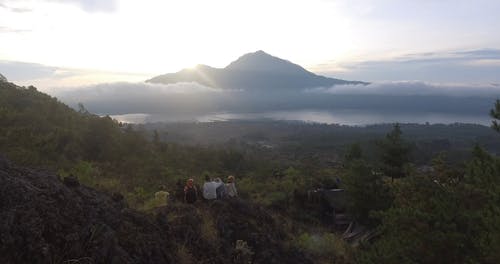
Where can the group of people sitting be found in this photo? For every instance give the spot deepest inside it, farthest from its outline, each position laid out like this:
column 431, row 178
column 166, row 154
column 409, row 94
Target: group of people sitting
column 212, row 189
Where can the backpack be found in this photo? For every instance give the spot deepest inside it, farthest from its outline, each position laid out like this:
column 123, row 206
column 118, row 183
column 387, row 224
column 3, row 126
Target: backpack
column 190, row 194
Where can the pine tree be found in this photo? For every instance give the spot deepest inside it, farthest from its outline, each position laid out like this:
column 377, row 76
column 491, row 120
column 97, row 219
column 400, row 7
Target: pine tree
column 353, row 153
column 367, row 192
column 395, row 153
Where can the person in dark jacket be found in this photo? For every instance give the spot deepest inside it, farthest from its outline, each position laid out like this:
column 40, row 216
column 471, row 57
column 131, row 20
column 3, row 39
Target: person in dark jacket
column 190, row 192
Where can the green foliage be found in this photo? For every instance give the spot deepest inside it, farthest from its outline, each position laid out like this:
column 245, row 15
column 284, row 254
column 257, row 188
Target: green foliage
column 353, row 153
column 367, row 192
column 322, row 245
column 35, row 129
column 394, row 153
column 152, row 202
column 448, row 216
column 292, row 181
column 482, row 199
column 138, row 196
column 277, row 191
column 84, row 171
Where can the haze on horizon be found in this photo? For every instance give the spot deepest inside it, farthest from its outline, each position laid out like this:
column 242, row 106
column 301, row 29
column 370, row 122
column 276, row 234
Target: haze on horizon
column 54, row 43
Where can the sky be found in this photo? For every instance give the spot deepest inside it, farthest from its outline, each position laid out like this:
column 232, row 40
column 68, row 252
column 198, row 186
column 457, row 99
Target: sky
column 64, row 43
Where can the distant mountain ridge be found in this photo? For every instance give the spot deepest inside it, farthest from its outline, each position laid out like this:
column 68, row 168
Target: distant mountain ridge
column 253, row 71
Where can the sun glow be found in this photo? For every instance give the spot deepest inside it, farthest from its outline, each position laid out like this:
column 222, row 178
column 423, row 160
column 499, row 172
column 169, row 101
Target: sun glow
column 153, row 37
column 164, row 36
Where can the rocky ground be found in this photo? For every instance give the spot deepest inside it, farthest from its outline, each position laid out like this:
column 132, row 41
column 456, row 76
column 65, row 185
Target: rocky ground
column 44, row 219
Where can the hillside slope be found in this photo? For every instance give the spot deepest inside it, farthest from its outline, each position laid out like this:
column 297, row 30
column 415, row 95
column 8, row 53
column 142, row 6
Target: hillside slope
column 46, row 220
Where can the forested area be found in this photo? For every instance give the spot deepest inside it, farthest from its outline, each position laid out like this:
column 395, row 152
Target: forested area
column 449, row 213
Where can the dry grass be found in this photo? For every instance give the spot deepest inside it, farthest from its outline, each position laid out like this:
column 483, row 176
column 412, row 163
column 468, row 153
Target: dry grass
column 184, row 256
column 208, row 230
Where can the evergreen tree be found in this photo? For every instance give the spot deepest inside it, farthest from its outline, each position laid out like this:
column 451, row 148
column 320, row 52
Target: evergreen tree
column 367, row 192
column 395, row 153
column 353, row 153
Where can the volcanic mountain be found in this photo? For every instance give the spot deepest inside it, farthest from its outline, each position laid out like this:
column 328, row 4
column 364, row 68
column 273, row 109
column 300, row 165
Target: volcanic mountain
column 253, row 71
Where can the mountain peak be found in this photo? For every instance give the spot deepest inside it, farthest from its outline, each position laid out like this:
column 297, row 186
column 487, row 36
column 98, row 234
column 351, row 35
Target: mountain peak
column 253, row 71
column 261, row 61
column 260, row 52
column 2, row 78
column 200, row 67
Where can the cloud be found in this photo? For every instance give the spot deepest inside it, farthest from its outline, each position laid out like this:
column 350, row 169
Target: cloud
column 15, row 9
column 21, row 10
column 193, row 98
column 93, row 5
column 47, row 78
column 124, row 97
column 447, row 57
column 136, row 89
column 484, row 63
column 12, row 30
column 22, row 71
column 86, row 5
column 409, row 88
column 472, row 66
column 480, row 54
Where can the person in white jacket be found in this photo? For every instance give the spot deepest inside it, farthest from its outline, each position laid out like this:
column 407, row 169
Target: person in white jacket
column 209, row 189
column 231, row 187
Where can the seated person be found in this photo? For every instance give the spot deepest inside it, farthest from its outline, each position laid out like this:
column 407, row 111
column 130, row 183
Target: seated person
column 231, row 187
column 220, row 188
column 161, row 197
column 190, row 192
column 209, row 189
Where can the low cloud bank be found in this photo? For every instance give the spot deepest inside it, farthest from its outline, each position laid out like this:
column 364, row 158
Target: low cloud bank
column 181, row 100
column 124, row 97
column 409, row 88
column 126, row 89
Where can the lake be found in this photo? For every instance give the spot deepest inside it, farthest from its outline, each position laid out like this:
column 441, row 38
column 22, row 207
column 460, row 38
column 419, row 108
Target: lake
column 343, row 117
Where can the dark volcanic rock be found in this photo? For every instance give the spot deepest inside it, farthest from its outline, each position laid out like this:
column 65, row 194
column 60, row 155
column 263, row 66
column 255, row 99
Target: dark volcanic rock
column 71, row 181
column 44, row 221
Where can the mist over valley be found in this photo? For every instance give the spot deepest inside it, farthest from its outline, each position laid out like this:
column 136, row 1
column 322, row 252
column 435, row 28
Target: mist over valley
column 258, row 85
